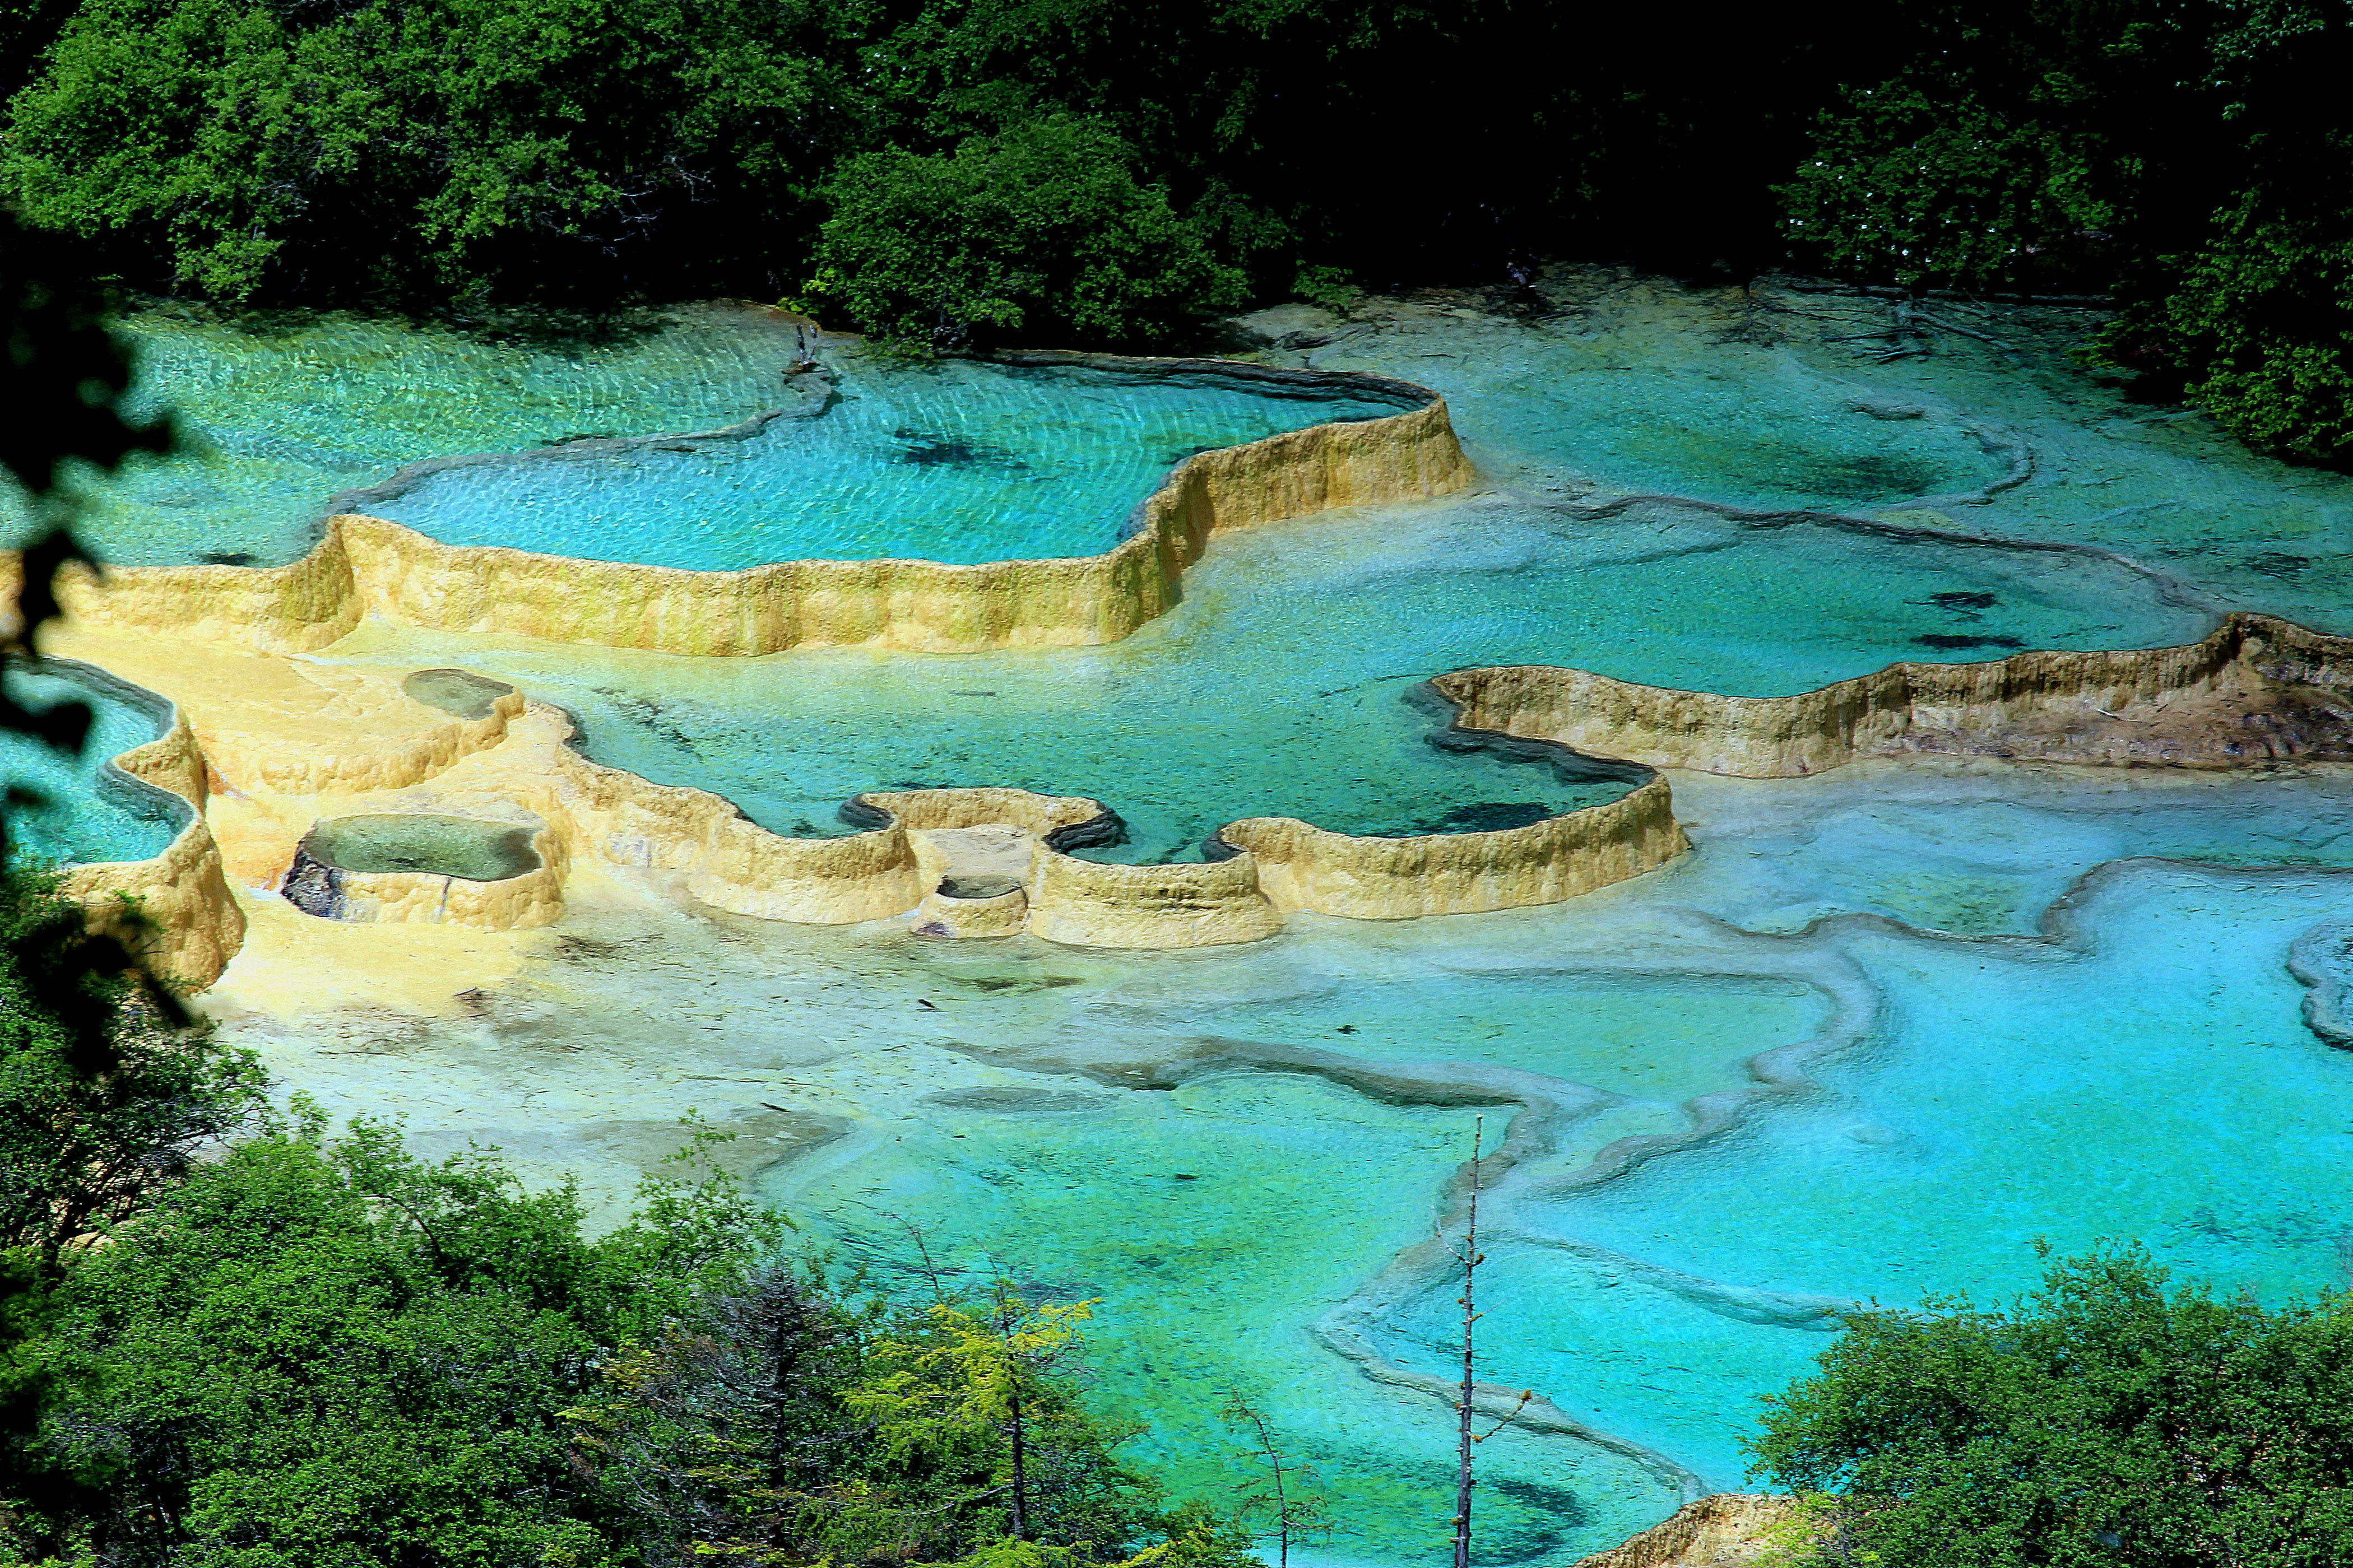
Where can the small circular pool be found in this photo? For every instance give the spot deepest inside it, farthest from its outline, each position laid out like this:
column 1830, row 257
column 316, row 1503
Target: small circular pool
column 428, row 845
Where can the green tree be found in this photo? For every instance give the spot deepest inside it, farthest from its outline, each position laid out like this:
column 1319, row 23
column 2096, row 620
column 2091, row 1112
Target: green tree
column 2250, row 312
column 1919, row 184
column 784, row 1423
column 2160, row 150
column 975, row 1390
column 725, row 1433
column 324, row 1353
column 1047, row 222
column 84, row 1035
column 1281, row 1499
column 2108, row 1418
column 415, row 152
column 95, row 1122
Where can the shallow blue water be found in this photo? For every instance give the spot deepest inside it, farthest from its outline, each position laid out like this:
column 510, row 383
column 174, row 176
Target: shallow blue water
column 1279, row 688
column 2143, row 1073
column 953, row 462
column 1768, row 398
column 2150, row 1080
column 78, row 817
column 279, row 414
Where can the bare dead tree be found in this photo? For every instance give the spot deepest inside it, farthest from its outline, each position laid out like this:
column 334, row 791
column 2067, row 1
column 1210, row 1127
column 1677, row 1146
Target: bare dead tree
column 1469, row 1256
column 1465, row 1407
column 1286, row 1499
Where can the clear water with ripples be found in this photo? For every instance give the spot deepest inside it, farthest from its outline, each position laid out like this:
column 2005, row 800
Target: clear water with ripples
column 1925, row 1012
column 78, row 815
column 957, row 462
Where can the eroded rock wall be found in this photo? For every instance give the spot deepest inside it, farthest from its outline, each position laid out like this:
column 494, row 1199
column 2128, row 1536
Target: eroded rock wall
column 367, row 566
column 176, row 908
column 2256, row 689
column 1724, row 1529
column 1302, row 866
column 295, row 608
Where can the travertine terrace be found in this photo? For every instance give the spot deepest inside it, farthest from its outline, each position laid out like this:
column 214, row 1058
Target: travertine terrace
column 2258, row 690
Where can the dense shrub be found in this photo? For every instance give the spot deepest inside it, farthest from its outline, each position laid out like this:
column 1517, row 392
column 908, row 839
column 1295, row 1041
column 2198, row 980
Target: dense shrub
column 307, row 147
column 1044, row 224
column 2108, row 1419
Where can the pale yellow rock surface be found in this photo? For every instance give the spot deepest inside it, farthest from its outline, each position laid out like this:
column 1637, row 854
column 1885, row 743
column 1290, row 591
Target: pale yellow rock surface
column 177, row 911
column 1090, row 905
column 293, row 965
column 272, row 745
column 367, row 567
column 176, row 908
column 2256, row 690
column 945, row 913
column 289, row 726
column 529, row 898
column 1302, row 866
column 1727, row 1530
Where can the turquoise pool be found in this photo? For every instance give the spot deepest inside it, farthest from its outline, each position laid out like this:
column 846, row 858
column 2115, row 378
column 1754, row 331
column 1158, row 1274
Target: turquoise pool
column 87, row 811
column 2138, row 1068
column 1280, row 686
column 2010, row 1002
column 954, row 462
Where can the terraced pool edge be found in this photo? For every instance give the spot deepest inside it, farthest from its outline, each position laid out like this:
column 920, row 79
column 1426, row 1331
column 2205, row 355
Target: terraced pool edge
column 174, row 908
column 2255, row 690
column 369, row 566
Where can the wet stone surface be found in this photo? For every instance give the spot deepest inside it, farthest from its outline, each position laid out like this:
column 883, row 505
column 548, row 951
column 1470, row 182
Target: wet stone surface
column 463, row 847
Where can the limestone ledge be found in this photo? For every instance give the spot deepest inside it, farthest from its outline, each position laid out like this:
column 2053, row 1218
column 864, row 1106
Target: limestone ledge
column 913, row 839
column 1302, row 866
column 176, row 908
column 259, row 757
column 365, row 567
column 1201, row 904
column 533, row 897
column 1723, row 1529
column 725, row 859
column 2256, row 690
column 943, row 913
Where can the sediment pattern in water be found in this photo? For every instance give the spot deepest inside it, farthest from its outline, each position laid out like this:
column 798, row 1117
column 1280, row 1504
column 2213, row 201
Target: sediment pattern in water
column 1881, row 1030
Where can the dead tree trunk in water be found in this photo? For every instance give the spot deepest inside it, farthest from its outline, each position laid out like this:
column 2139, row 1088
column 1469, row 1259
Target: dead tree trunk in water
column 1464, row 1408
column 1470, row 1255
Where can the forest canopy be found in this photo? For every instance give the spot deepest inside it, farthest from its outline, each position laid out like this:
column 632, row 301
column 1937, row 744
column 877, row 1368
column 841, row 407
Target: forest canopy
column 2186, row 157
column 2111, row 1419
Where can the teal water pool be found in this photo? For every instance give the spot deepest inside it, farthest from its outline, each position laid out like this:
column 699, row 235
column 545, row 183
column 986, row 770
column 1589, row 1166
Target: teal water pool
column 85, row 811
column 1881, row 1030
column 283, row 417
column 2140, row 1069
column 1770, row 398
column 958, row 461
column 281, row 412
column 1282, row 686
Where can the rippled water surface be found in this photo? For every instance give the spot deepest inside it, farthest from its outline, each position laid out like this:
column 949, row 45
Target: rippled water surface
column 1282, row 686
column 77, row 816
column 956, row 461
column 1879, row 1032
column 953, row 462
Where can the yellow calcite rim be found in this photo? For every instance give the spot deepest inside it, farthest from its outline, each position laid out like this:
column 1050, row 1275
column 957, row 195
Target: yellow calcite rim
column 368, row 567
column 2256, row 689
